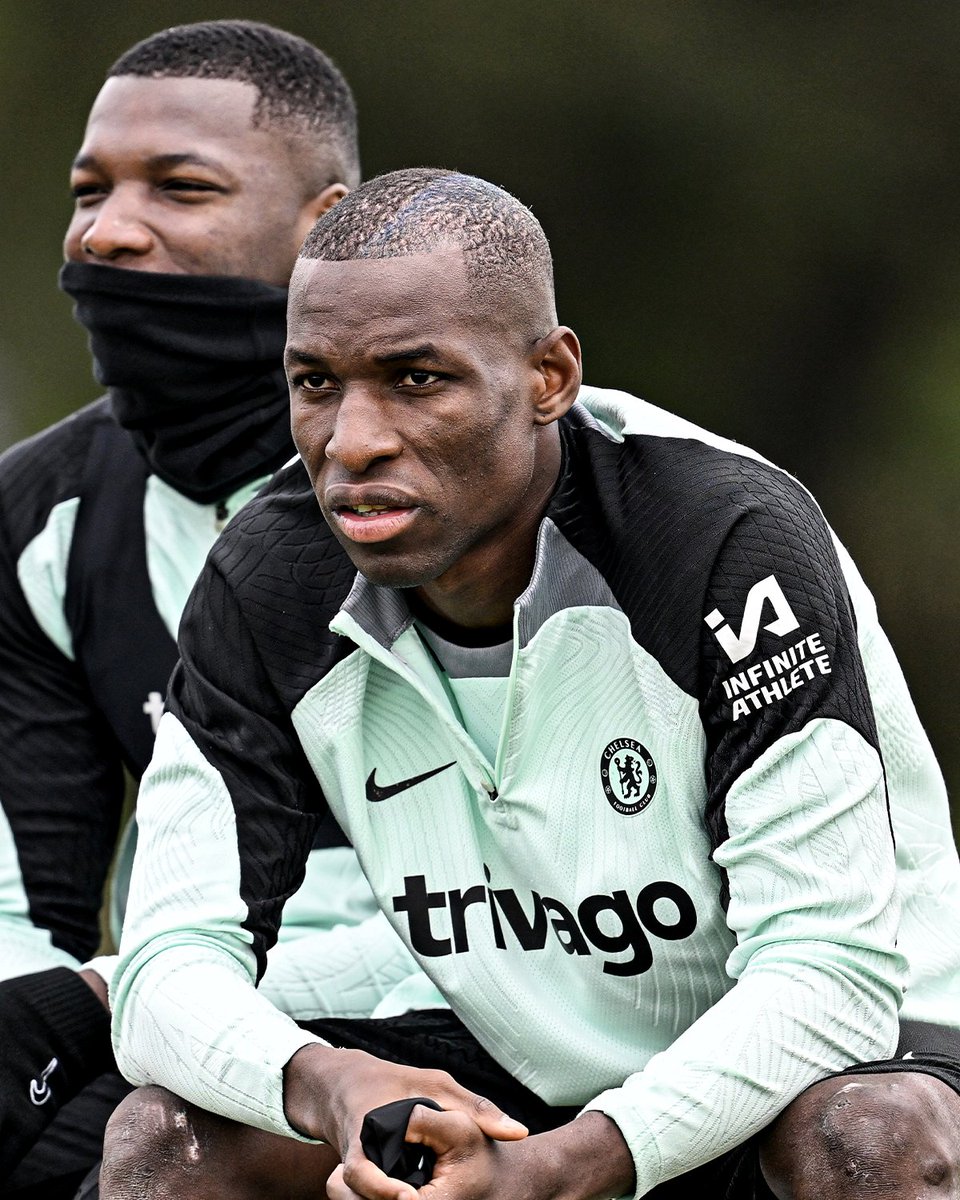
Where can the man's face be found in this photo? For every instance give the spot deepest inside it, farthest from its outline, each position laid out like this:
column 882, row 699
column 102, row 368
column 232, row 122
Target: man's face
column 413, row 407
column 172, row 176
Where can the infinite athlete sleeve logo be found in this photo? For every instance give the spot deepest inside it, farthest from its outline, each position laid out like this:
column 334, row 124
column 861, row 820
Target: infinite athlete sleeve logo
column 764, row 683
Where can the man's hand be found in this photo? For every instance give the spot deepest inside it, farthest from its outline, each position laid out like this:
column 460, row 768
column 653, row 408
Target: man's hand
column 328, row 1092
column 97, row 984
column 584, row 1160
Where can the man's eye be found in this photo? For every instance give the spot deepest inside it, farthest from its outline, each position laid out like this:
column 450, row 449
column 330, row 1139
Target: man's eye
column 87, row 191
column 315, row 382
column 418, row 379
column 189, row 186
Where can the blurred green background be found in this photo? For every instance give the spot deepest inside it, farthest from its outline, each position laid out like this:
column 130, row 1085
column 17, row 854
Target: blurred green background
column 753, row 207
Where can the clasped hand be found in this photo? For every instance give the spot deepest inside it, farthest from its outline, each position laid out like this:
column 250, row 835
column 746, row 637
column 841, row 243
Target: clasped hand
column 328, row 1092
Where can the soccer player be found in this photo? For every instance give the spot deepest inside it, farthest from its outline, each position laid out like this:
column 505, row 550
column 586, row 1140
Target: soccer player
column 209, row 153
column 607, row 713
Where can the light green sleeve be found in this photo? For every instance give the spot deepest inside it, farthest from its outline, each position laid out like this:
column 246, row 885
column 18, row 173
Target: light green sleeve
column 813, row 904
column 342, row 972
column 186, row 1013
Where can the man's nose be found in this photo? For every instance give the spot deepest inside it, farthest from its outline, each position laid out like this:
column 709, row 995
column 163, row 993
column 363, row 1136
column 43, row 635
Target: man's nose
column 117, row 229
column 363, row 432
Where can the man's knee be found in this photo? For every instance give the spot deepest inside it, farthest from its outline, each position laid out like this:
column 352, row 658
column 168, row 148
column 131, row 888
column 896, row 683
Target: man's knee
column 885, row 1135
column 151, row 1148
column 159, row 1147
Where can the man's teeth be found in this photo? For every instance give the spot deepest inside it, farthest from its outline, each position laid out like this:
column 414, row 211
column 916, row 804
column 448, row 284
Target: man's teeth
column 363, row 509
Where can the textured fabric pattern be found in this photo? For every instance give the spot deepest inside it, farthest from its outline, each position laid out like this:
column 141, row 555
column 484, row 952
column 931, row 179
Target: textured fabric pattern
column 672, row 896
column 97, row 552
column 42, row 572
column 368, row 963
column 56, row 744
column 26, row 947
column 179, row 534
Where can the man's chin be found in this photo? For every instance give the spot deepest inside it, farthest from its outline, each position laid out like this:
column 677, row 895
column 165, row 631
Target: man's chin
column 390, row 571
column 392, row 579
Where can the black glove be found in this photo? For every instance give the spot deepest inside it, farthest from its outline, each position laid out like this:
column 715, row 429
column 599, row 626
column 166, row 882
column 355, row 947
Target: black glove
column 381, row 1137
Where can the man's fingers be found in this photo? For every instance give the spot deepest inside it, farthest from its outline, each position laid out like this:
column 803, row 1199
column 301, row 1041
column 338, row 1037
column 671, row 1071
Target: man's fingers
column 454, row 1131
column 359, row 1179
column 452, row 1097
column 492, row 1120
column 443, row 1132
column 336, row 1188
column 495, row 1123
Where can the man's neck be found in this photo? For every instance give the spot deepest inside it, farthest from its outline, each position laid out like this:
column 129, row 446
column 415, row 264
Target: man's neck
column 480, row 590
column 484, row 601
column 458, row 634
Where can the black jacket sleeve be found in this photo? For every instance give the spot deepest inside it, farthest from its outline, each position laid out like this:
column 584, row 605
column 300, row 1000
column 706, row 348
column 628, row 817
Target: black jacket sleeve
column 61, row 783
column 61, row 791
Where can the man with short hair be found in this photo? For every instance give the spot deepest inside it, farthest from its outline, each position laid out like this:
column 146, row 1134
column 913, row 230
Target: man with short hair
column 610, row 720
column 209, row 153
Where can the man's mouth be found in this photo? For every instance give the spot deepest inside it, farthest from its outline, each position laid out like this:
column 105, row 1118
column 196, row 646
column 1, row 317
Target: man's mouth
column 373, row 522
column 366, row 510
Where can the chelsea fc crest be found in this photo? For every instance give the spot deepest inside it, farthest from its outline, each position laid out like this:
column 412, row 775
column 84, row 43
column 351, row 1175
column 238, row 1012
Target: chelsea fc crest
column 628, row 775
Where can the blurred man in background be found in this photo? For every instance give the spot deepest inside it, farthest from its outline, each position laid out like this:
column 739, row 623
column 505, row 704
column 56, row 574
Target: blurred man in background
column 209, row 152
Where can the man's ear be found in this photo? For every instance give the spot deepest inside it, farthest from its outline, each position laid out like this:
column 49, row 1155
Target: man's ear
column 317, row 205
column 557, row 360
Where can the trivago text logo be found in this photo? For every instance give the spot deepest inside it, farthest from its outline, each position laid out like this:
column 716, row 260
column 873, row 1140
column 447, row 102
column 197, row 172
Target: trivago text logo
column 616, row 923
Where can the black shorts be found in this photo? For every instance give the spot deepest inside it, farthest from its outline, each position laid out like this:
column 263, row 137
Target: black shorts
column 438, row 1040
column 930, row 1049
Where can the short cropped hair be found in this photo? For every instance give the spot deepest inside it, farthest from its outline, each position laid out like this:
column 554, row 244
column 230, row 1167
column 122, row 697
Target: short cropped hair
column 424, row 209
column 300, row 89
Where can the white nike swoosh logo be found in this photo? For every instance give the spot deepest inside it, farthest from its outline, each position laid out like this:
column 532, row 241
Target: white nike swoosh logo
column 40, row 1091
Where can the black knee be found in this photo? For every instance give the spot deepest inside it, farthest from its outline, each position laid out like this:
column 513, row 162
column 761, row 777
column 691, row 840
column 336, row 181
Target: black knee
column 887, row 1135
column 151, row 1148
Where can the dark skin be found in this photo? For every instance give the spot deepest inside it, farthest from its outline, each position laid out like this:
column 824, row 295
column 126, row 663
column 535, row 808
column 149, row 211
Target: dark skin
column 460, row 446
column 879, row 1136
column 858, row 1137
column 173, row 176
column 409, row 394
column 159, row 1145
column 478, row 1148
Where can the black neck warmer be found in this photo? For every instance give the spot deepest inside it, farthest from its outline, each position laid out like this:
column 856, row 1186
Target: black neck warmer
column 193, row 366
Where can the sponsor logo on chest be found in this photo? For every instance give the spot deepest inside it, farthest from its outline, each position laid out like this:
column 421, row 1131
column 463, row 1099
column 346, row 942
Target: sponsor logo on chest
column 613, row 923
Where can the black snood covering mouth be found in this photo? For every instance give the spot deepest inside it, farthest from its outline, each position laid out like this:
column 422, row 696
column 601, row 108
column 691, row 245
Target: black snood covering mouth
column 193, row 364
